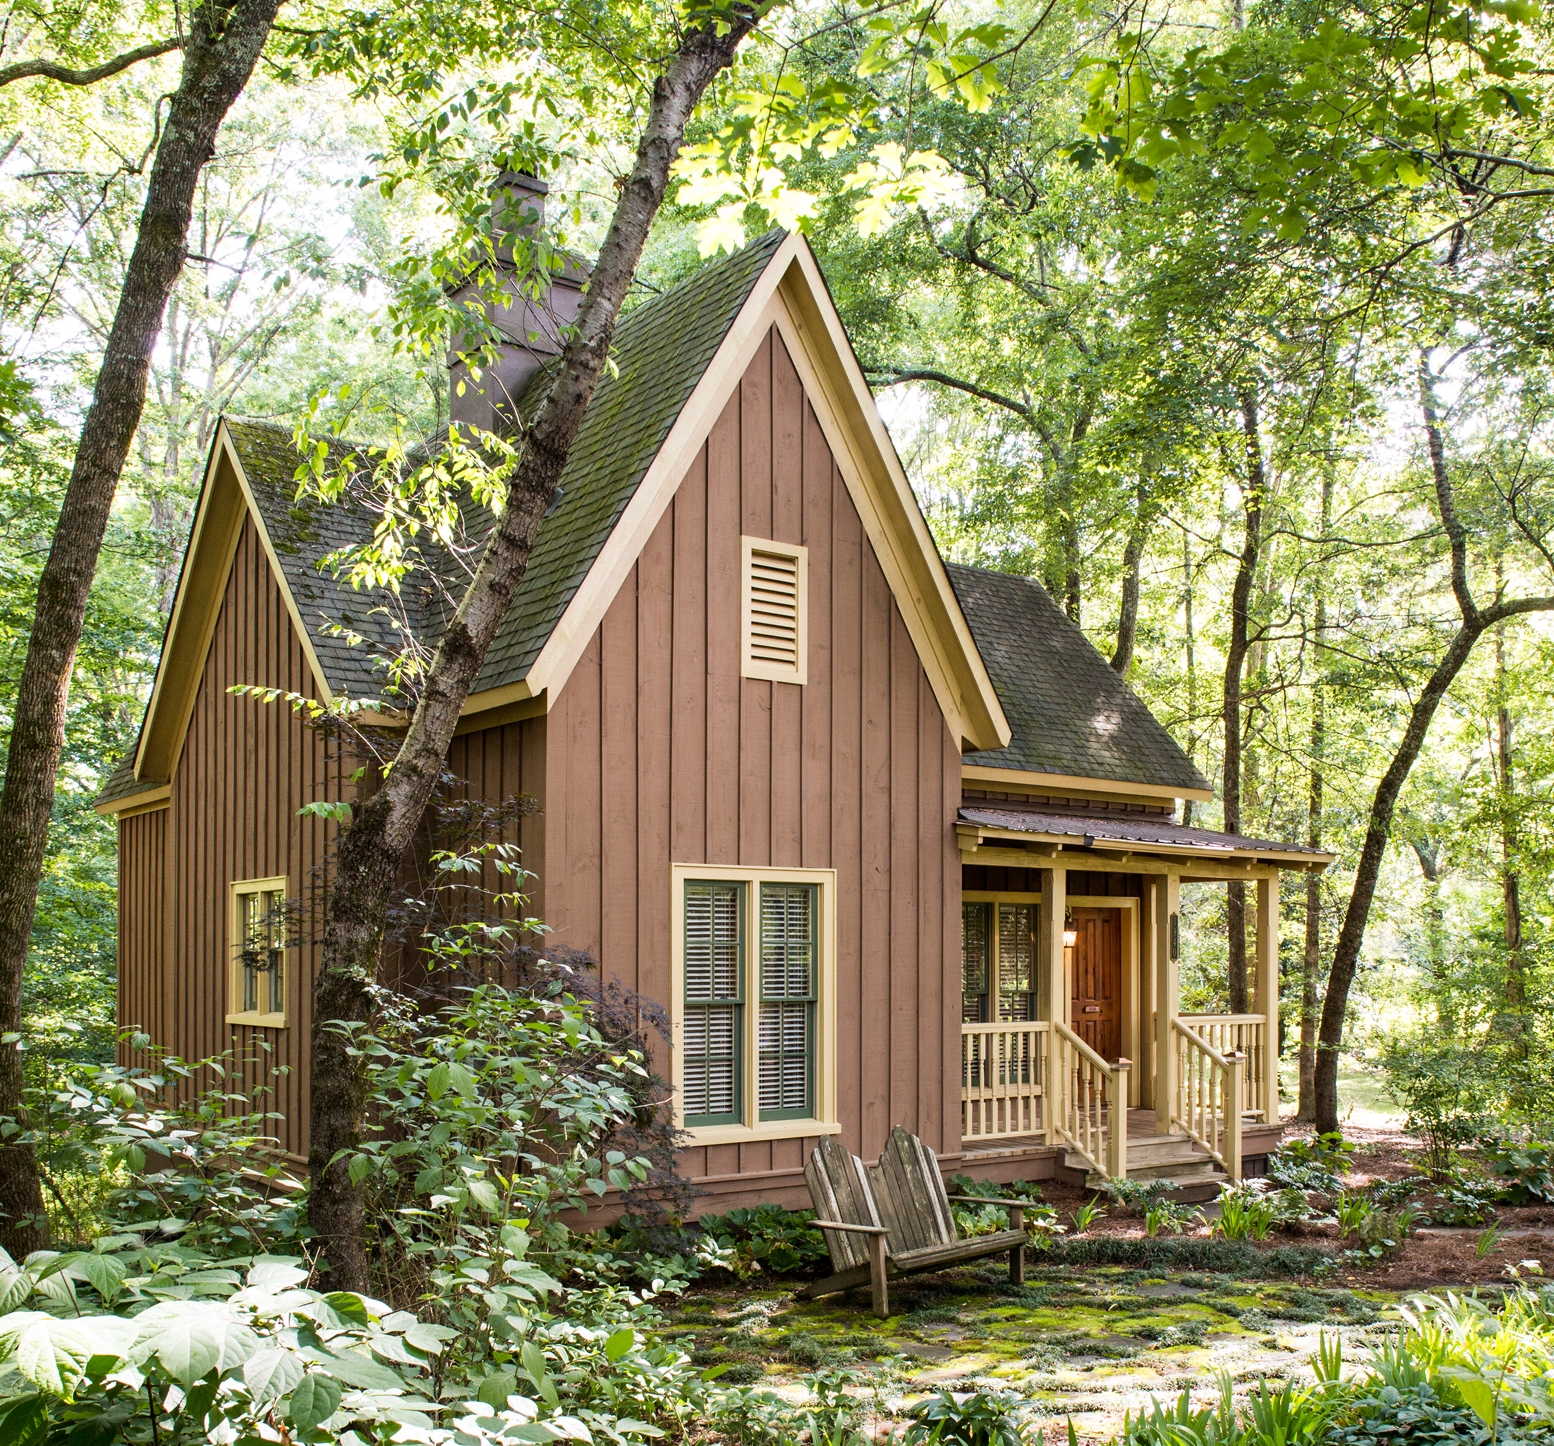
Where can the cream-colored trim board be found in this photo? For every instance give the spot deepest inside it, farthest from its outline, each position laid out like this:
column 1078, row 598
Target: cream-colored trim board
column 202, row 585
column 503, row 697
column 753, row 1128
column 147, row 801
column 1022, row 780
column 325, row 696
column 879, row 490
column 754, row 1134
column 569, row 638
column 201, row 591
column 878, row 485
column 1083, row 861
column 1112, row 853
column 495, row 717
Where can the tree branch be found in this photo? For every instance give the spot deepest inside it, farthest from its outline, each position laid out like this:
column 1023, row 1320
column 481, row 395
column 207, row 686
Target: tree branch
column 1456, row 533
column 65, row 75
column 892, row 377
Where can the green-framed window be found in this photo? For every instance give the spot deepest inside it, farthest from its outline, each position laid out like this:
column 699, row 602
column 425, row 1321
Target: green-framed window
column 997, row 960
column 789, row 969
column 712, row 1065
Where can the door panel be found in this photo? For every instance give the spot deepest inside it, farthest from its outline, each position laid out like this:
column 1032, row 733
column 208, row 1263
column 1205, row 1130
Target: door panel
column 1095, row 1013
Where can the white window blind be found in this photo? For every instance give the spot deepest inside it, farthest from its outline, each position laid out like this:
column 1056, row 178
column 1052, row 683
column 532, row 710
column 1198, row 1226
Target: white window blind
column 775, row 586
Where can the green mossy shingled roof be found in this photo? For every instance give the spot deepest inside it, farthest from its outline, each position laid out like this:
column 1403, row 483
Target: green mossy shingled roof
column 661, row 351
column 1069, row 712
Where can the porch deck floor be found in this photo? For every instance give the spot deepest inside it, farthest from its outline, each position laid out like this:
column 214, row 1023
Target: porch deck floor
column 1141, row 1130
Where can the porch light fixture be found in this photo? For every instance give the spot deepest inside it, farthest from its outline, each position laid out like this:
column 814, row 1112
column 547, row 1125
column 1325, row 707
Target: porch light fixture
column 1070, row 933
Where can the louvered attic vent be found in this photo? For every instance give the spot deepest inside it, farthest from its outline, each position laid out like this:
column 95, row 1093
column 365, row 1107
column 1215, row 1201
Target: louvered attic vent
column 775, row 592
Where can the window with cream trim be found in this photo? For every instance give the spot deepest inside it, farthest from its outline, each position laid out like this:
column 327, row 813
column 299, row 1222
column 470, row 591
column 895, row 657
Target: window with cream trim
column 774, row 623
column 259, row 942
column 754, row 1002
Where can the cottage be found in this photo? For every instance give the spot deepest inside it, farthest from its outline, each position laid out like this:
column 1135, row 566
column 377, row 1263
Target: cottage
column 887, row 837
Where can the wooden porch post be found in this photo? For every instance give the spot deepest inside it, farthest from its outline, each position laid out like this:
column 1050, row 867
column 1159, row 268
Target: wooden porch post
column 1167, row 904
column 1265, row 1000
column 1145, row 1064
column 1052, row 985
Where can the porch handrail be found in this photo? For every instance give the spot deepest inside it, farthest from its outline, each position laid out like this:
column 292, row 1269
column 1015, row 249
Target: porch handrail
column 1207, row 1106
column 1003, row 1071
column 1247, row 1033
column 1089, row 1101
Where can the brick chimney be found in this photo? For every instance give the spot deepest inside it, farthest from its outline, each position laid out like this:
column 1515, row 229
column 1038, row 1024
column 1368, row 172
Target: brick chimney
column 530, row 330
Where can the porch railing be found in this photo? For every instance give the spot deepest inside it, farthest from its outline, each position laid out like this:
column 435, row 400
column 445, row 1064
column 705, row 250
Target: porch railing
column 1003, row 1069
column 1208, row 1096
column 1238, row 1034
column 1089, row 1101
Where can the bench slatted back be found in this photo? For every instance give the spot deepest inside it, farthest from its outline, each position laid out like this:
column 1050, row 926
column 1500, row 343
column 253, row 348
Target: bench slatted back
column 911, row 1196
column 839, row 1190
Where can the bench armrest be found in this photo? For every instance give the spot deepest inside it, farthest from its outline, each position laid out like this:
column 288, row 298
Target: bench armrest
column 845, row 1225
column 989, row 1200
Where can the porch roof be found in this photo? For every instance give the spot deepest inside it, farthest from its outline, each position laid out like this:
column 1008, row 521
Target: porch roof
column 1140, row 835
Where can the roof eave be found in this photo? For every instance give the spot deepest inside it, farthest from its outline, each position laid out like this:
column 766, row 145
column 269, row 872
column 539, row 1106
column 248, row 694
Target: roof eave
column 996, row 773
column 1087, row 843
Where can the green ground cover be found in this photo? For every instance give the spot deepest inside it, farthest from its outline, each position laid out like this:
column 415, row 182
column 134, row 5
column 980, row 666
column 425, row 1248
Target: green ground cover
column 1087, row 1344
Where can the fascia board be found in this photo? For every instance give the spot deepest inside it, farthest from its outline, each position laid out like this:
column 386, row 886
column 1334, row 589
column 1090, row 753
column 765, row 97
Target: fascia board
column 870, row 469
column 1025, row 778
column 569, row 638
column 225, row 499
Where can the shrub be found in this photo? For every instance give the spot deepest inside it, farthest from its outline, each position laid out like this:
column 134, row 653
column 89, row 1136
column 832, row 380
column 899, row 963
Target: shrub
column 1525, row 1169
column 1313, row 1164
column 1245, row 1214
column 1435, row 1083
column 975, row 1418
column 767, row 1237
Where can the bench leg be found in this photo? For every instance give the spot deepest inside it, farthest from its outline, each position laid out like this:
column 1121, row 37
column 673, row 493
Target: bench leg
column 877, row 1276
column 1017, row 1255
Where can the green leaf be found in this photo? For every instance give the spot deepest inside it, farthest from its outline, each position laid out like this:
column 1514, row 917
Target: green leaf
column 620, row 1343
column 358, row 1371
column 437, row 1081
column 316, row 1399
column 483, row 1193
column 271, row 1374
column 104, row 1273
column 348, row 1306
column 538, row 1371
column 26, row 1423
column 496, row 1388
column 52, row 1354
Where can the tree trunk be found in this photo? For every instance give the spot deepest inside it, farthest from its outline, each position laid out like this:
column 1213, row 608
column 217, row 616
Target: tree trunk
column 223, row 44
column 1235, row 662
column 1132, row 563
column 1475, row 620
column 385, row 824
column 1311, row 963
column 1192, row 662
column 1511, row 886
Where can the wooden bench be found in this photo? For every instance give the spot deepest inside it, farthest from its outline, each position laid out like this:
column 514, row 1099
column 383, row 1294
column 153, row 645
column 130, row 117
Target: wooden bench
column 893, row 1219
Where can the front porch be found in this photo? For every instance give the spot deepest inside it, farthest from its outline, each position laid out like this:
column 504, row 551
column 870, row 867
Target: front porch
column 1078, row 1044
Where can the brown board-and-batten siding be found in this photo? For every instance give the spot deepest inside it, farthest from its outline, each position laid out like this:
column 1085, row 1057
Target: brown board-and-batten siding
column 245, row 769
column 659, row 753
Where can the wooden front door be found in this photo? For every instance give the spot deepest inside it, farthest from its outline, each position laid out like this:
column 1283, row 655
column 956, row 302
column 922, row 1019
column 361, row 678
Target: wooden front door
column 1095, row 1014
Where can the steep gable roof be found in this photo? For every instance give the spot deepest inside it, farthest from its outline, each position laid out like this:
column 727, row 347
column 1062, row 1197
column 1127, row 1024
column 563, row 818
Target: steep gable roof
column 677, row 359
column 1071, row 715
column 660, row 352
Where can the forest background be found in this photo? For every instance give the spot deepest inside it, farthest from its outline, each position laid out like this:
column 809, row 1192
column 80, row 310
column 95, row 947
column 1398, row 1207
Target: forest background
column 1188, row 406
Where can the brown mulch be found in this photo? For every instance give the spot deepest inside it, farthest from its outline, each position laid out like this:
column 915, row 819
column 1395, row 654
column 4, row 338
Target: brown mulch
column 1431, row 1261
